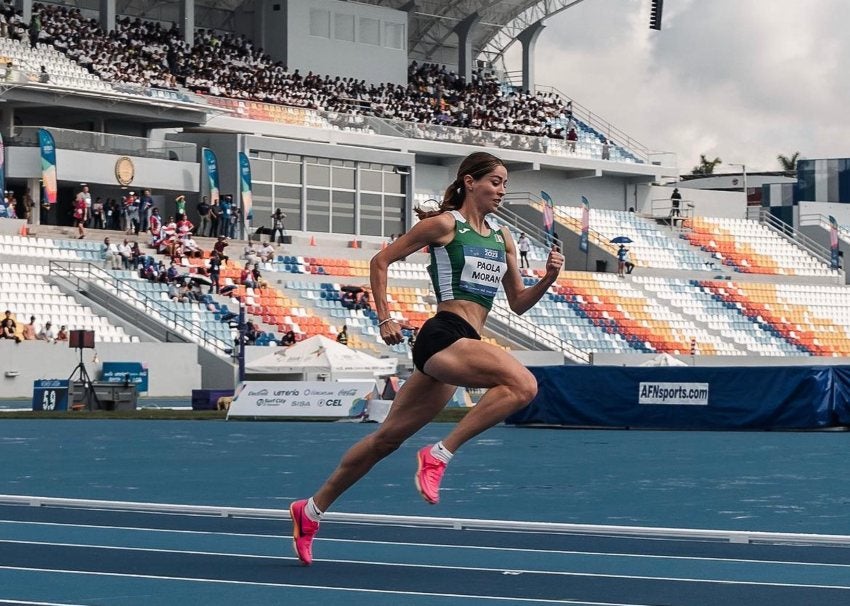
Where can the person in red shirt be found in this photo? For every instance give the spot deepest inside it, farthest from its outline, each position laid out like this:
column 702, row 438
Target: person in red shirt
column 80, row 210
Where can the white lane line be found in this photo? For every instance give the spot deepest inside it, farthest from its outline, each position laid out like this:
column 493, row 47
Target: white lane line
column 322, row 587
column 30, row 603
column 277, row 538
column 439, row 567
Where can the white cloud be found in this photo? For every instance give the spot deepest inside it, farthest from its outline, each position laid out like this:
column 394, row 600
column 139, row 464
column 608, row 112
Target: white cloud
column 741, row 80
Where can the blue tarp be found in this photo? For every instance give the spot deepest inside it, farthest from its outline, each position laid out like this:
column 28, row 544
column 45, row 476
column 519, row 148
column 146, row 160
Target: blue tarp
column 792, row 397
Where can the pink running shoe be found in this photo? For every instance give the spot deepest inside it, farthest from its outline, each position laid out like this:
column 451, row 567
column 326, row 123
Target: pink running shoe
column 429, row 475
column 303, row 530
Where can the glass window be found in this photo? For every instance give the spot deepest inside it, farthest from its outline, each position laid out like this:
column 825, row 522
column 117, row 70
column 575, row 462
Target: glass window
column 370, row 32
column 370, row 215
column 394, row 35
column 320, row 23
column 343, row 178
column 393, row 183
column 287, row 172
column 262, row 206
column 318, row 210
column 261, row 170
column 288, row 199
column 318, row 175
column 343, row 212
column 393, row 214
column 344, row 27
column 371, row 180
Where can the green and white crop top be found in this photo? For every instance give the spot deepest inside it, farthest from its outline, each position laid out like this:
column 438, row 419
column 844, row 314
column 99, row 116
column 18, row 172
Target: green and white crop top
column 470, row 267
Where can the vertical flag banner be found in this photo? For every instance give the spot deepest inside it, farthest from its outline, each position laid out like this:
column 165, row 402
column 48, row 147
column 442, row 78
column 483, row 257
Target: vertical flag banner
column 833, row 242
column 211, row 165
column 548, row 216
column 2, row 165
column 48, row 165
column 245, row 183
column 585, row 224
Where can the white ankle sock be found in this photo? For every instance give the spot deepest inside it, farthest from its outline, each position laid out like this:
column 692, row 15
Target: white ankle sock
column 312, row 512
column 441, row 453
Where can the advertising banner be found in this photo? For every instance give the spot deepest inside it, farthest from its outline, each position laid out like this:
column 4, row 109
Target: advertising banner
column 332, row 399
column 48, row 165
column 210, row 165
column 585, row 224
column 126, row 372
column 245, row 188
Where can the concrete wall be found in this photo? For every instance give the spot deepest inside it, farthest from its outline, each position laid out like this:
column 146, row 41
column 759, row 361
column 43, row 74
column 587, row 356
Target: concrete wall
column 89, row 167
column 655, row 200
column 173, row 367
column 325, row 52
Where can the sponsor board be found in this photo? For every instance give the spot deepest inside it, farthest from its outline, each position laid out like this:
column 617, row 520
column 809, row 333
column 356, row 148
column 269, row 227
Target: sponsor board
column 333, row 399
column 680, row 394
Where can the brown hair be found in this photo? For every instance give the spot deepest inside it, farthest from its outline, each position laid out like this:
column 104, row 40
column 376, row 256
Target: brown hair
column 475, row 165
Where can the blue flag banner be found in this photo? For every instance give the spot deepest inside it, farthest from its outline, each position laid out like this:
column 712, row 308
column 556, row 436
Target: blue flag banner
column 245, row 189
column 585, row 224
column 48, row 165
column 211, row 166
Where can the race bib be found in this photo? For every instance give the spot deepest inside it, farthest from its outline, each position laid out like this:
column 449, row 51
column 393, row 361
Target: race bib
column 482, row 271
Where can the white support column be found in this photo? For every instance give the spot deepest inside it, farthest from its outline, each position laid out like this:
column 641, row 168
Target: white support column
column 107, row 15
column 187, row 21
column 464, row 31
column 528, row 39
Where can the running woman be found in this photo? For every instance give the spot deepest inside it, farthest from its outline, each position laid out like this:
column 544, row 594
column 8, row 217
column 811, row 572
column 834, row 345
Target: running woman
column 469, row 259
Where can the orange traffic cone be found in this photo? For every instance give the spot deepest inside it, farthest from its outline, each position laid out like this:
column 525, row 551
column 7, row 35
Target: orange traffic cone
column 23, row 231
column 312, row 240
column 355, row 244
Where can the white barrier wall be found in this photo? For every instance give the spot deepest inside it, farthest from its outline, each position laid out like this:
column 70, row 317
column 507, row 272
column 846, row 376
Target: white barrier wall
column 655, row 200
column 173, row 369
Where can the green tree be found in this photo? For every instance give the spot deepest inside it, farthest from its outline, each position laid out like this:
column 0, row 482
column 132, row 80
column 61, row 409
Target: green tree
column 789, row 163
column 705, row 166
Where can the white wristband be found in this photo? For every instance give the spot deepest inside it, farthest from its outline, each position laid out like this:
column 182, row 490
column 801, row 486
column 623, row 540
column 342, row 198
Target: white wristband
column 382, row 322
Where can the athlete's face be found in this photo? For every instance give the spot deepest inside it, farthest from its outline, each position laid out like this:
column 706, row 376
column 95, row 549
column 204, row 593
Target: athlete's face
column 489, row 190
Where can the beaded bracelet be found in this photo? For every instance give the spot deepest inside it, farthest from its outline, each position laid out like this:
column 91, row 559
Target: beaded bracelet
column 382, row 322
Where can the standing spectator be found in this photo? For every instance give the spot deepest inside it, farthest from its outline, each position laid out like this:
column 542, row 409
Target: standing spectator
column 114, row 214
column 572, row 138
column 145, row 210
column 80, row 215
column 84, row 192
column 98, row 212
column 155, row 225
column 215, row 219
column 28, row 205
column 215, row 272
column 4, row 207
column 622, row 253
column 606, row 149
column 226, row 213
column 675, row 203
column 524, row 245
column 29, row 333
column 277, row 226
column 47, row 333
column 204, row 220
column 8, row 327
column 181, row 205
column 131, row 212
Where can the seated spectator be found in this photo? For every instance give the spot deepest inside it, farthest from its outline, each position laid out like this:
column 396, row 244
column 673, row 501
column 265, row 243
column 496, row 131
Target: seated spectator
column 8, row 327
column 47, row 333
column 251, row 254
column 62, row 335
column 191, row 248
column 267, row 252
column 288, row 339
column 126, row 252
column 246, row 277
column 110, row 254
column 251, row 333
column 29, row 332
column 135, row 255
column 342, row 335
column 258, row 278
column 219, row 247
column 183, row 225
column 172, row 273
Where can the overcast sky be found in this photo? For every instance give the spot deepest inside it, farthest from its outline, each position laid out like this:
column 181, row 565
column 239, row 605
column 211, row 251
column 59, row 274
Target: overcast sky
column 743, row 80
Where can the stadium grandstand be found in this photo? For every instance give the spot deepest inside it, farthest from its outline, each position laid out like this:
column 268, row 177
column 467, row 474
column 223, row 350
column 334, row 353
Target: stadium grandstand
column 347, row 117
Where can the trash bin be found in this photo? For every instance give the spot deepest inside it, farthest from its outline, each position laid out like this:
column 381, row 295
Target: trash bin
column 601, row 266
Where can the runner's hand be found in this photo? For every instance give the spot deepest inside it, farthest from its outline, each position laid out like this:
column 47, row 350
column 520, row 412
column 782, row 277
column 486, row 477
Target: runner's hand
column 554, row 263
column 391, row 333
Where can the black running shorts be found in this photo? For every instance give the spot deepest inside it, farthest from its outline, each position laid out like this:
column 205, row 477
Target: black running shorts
column 438, row 333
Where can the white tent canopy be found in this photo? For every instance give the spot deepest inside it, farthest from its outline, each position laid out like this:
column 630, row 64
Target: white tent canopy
column 319, row 354
column 664, row 359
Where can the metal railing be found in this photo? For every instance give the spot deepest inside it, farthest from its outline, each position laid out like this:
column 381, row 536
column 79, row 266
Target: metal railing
column 795, row 236
column 179, row 324
column 525, row 332
column 27, row 136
